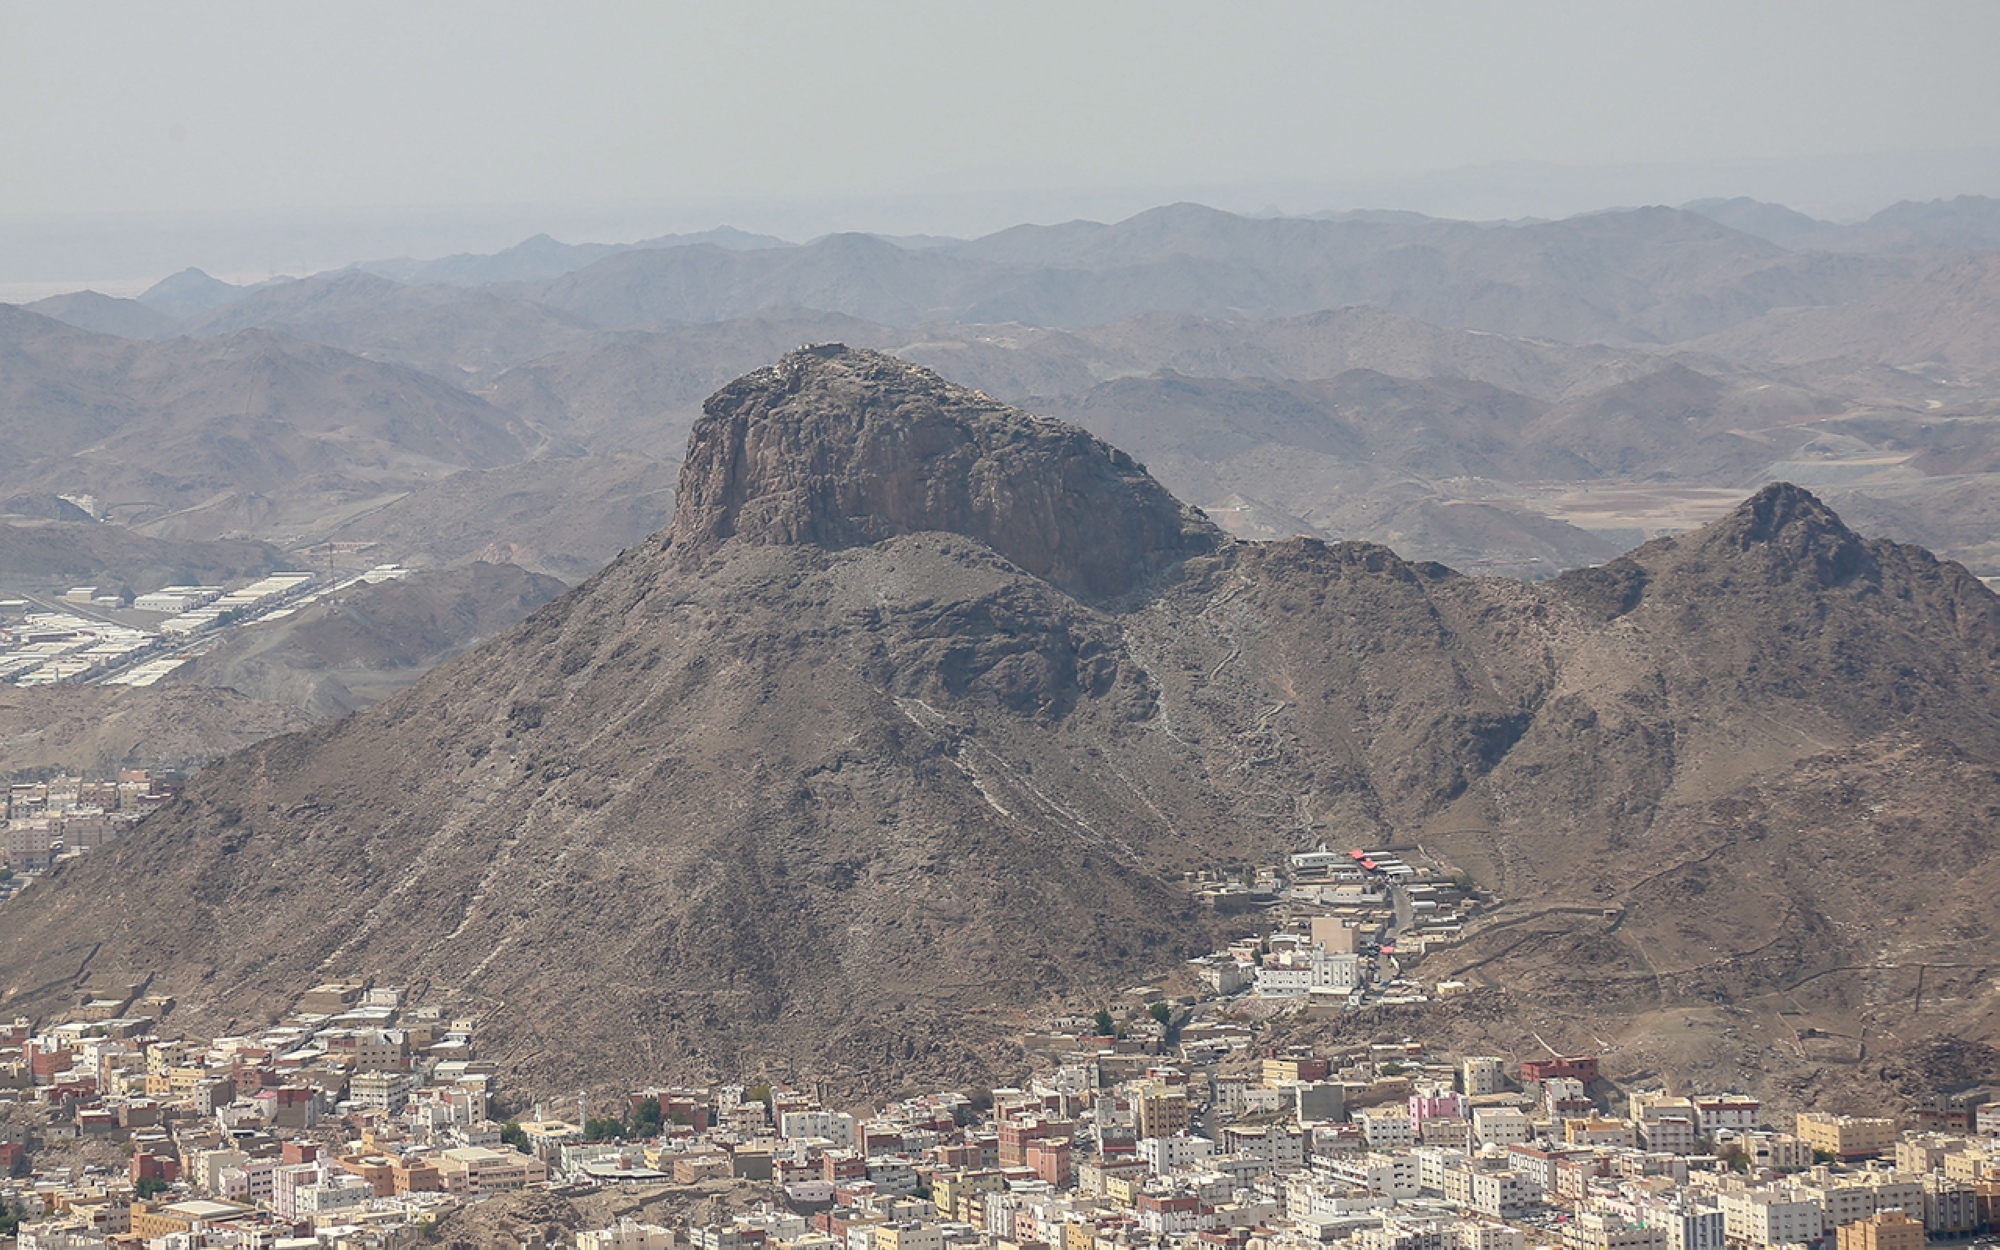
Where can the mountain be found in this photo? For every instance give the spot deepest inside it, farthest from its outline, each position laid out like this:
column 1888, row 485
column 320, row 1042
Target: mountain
column 102, row 314
column 1787, row 227
column 462, row 336
column 905, row 727
column 543, row 257
column 251, row 433
column 1329, row 342
column 1948, row 315
column 1966, row 223
column 342, row 653
column 97, row 730
column 856, row 274
column 189, row 294
column 641, row 390
column 52, row 555
column 1641, row 276
column 564, row 516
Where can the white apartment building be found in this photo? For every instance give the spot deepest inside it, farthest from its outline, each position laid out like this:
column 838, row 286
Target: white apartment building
column 1505, row 1126
column 1386, row 1128
column 1167, row 1155
column 1391, row 1175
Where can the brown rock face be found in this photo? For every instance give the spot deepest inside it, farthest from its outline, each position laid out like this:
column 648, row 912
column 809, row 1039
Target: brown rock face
column 838, row 447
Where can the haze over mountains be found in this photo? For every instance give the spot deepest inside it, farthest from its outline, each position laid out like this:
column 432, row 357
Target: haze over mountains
column 1517, row 398
column 912, row 715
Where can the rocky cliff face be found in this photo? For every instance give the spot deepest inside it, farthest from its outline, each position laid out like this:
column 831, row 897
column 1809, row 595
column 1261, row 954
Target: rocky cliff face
column 908, row 725
column 839, row 447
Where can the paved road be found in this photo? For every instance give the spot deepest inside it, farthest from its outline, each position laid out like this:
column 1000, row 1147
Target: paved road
column 1406, row 918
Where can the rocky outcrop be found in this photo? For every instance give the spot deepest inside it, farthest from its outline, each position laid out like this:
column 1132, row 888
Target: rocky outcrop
column 840, row 447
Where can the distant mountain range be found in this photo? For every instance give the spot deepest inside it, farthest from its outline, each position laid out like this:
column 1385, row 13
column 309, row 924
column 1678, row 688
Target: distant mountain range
column 1515, row 398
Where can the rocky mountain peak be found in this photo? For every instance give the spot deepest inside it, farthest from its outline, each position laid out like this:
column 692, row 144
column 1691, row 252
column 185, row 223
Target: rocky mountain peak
column 1791, row 530
column 841, row 447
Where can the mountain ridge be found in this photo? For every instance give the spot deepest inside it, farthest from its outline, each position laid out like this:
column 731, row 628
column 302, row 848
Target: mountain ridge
column 747, row 802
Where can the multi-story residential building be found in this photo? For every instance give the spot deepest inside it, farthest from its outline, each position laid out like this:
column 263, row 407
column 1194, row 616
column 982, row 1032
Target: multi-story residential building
column 1390, row 1175
column 286, row 1182
column 1166, row 1155
column 1778, row 1151
column 332, row 1197
column 1764, row 1217
column 1503, row 1126
column 1431, row 1099
column 1160, row 1110
column 1692, row 1228
column 1670, row 1134
column 1602, row 1230
column 1735, row 1112
column 380, row 1090
column 1169, row 1216
column 1847, row 1136
column 481, row 1170
column 1386, row 1128
column 1479, row 1075
column 1950, row 1208
column 1564, row 1096
column 1479, row 1235
column 1596, row 1131
column 1891, row 1230
column 626, row 1235
column 1274, row 1143
column 1503, row 1195
column 907, row 1235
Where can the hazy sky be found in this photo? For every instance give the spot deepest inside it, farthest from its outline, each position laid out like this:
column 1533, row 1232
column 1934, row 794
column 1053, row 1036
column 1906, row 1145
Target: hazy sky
column 123, row 107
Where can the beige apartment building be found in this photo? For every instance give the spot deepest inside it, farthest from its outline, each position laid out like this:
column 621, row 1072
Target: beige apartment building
column 479, row 1170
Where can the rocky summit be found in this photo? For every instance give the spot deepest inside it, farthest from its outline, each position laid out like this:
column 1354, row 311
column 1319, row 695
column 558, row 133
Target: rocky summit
column 907, row 726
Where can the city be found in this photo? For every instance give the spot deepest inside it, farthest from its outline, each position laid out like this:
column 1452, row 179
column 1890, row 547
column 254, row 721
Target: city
column 369, row 1118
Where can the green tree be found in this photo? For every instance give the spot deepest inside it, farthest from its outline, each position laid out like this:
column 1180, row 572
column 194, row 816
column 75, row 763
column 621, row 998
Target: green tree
column 1160, row 1012
column 1391, row 1069
column 646, row 1118
column 1105, row 1025
column 149, row 1187
column 603, row 1128
column 511, row 1134
column 10, row 1220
